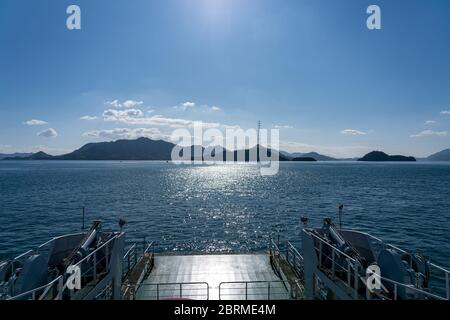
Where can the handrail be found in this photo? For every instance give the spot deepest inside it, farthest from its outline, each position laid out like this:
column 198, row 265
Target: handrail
column 96, row 250
column 180, row 290
column 336, row 249
column 356, row 268
column 23, row 255
column 247, row 288
column 33, row 291
column 407, row 287
column 56, row 238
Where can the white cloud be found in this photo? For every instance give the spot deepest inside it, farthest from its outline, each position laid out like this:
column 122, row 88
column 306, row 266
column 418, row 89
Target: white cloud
column 431, row 122
column 127, row 103
column 88, row 118
column 114, row 103
column 185, row 105
column 122, row 115
column 132, row 103
column 352, row 132
column 215, row 108
column 137, row 117
column 282, row 127
column 126, row 133
column 445, row 112
column 35, row 122
column 48, row 133
column 429, row 133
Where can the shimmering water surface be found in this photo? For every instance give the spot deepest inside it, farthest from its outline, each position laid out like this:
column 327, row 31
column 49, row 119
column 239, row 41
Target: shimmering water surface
column 225, row 207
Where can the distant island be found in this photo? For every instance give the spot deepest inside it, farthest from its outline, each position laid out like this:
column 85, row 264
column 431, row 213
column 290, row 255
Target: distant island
column 14, row 155
column 143, row 149
column 443, row 155
column 316, row 156
column 148, row 149
column 375, row 156
column 306, row 159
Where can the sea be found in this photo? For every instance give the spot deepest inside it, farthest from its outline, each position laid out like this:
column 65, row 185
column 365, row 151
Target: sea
column 225, row 207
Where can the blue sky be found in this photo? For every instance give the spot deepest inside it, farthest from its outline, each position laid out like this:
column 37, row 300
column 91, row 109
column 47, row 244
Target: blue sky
column 309, row 67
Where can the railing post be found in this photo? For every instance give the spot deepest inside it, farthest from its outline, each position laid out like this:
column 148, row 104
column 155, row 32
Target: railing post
column 157, row 291
column 60, row 288
column 95, row 266
column 246, row 287
column 320, row 254
column 395, row 291
column 349, row 274
column 287, row 252
column 356, row 281
column 181, row 291
column 447, row 285
column 107, row 256
column 268, row 290
column 332, row 260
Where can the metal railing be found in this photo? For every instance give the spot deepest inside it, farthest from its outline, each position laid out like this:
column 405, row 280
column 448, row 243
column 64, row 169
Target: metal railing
column 98, row 265
column 173, row 291
column 255, row 290
column 51, row 291
column 439, row 274
column 346, row 275
column 133, row 254
column 349, row 275
column 294, row 259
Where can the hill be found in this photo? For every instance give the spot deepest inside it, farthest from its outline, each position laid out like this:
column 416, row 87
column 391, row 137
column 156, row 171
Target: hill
column 381, row 156
column 143, row 149
column 14, row 155
column 304, row 159
column 315, row 155
column 443, row 155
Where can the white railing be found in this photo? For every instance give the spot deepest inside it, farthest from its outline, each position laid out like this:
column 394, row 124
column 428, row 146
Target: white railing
column 352, row 271
column 255, row 290
column 91, row 275
column 347, row 274
column 57, row 283
column 294, row 258
column 439, row 273
column 170, row 291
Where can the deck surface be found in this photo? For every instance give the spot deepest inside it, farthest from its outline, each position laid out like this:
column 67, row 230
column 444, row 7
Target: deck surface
column 209, row 271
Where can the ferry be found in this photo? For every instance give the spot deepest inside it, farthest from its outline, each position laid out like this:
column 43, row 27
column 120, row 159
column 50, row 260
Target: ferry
column 333, row 264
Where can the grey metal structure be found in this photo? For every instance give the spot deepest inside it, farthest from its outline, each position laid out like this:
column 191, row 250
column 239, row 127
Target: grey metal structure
column 334, row 264
column 338, row 265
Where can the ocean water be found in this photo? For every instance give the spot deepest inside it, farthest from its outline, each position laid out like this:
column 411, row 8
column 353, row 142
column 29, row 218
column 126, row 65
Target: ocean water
column 225, row 207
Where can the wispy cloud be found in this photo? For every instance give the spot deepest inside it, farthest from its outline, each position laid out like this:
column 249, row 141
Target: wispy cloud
column 215, row 108
column 126, row 133
column 279, row 126
column 431, row 122
column 185, row 105
column 429, row 133
column 88, row 118
column 445, row 112
column 35, row 122
column 48, row 133
column 137, row 117
column 353, row 132
column 126, row 103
